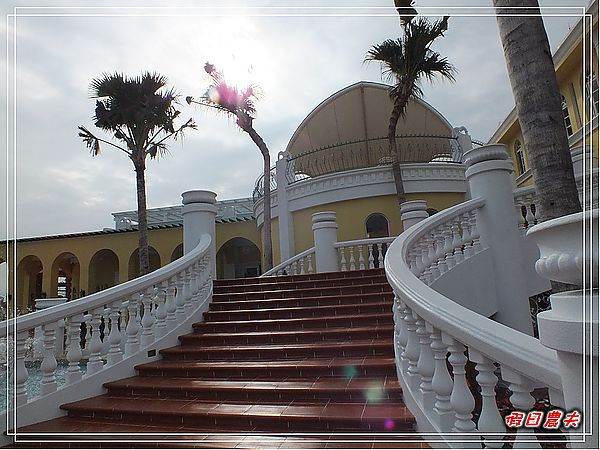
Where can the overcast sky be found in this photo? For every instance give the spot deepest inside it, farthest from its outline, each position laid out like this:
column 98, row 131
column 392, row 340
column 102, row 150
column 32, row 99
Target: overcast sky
column 298, row 57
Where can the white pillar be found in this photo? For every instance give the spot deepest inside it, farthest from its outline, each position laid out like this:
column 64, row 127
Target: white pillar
column 286, row 225
column 489, row 176
column 574, row 314
column 199, row 213
column 413, row 212
column 324, row 229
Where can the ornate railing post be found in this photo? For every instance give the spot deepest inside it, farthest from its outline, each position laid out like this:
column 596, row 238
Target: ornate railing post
column 324, row 227
column 199, row 212
column 566, row 257
column 413, row 212
column 489, row 176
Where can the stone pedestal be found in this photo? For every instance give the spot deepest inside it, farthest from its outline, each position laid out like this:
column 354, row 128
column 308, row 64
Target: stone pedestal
column 571, row 326
column 324, row 228
column 199, row 213
column 489, row 176
column 413, row 212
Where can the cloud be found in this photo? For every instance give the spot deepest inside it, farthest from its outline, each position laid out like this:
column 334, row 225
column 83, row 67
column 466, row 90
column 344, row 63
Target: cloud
column 297, row 60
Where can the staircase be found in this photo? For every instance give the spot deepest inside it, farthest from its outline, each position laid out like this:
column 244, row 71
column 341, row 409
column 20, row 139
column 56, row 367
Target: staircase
column 293, row 354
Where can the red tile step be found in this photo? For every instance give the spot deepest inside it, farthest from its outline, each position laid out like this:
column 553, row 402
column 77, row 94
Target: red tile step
column 354, row 274
column 244, row 416
column 323, row 389
column 327, row 300
column 281, row 337
column 370, row 366
column 375, row 306
column 298, row 284
column 306, row 292
column 356, row 320
column 270, row 352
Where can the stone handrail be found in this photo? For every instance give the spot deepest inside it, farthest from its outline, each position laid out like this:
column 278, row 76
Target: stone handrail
column 300, row 264
column 125, row 325
column 429, row 325
column 375, row 248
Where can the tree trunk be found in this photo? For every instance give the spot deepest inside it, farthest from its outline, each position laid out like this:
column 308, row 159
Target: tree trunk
column 399, row 107
column 538, row 104
column 267, row 241
column 140, row 169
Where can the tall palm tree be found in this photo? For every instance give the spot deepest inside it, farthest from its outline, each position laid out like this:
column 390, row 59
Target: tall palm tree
column 240, row 104
column 406, row 62
column 140, row 115
column 538, row 104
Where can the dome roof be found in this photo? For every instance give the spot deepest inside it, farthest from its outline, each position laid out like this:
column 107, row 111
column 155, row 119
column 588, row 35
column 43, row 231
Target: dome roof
column 361, row 112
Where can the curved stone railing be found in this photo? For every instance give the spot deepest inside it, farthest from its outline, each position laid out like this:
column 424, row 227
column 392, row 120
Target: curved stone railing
column 362, row 253
column 429, row 326
column 125, row 325
column 300, row 264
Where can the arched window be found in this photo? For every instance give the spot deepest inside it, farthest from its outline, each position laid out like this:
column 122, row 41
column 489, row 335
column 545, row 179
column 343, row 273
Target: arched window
column 567, row 119
column 520, row 157
column 377, row 226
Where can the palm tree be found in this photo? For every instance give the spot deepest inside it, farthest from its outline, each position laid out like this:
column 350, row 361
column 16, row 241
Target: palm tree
column 406, row 61
column 140, row 115
column 538, row 104
column 240, row 104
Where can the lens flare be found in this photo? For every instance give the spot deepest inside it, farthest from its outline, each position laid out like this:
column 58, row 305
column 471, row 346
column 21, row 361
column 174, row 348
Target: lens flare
column 374, row 392
column 389, row 424
column 350, row 372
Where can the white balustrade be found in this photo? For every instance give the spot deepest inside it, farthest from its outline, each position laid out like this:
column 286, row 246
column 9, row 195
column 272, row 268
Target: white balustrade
column 433, row 332
column 120, row 323
column 351, row 254
column 300, row 264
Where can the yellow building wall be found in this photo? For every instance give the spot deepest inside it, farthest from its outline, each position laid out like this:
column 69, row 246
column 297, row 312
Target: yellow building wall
column 352, row 214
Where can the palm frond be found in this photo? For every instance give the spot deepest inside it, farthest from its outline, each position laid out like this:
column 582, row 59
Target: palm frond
column 90, row 140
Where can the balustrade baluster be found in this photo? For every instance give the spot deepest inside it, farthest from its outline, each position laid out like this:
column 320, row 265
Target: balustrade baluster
column 105, row 344
column 21, row 375
column 123, row 323
column 342, row 252
column 466, row 237
column 425, row 274
column 370, row 253
column 48, row 366
column 361, row 259
column 74, row 353
column 310, row 265
column 490, row 420
column 529, row 217
column 475, row 232
column 188, row 291
column 294, row 268
column 180, row 299
column 147, row 336
column 170, row 301
column 425, row 365
column 457, row 241
column 461, row 399
column 115, row 353
column 352, row 262
column 440, row 253
column 161, row 310
column 523, row 401
column 402, row 335
column 412, row 350
column 95, row 363
column 432, row 258
column 441, row 382
column 132, row 344
column 520, row 219
column 448, row 247
column 302, row 266
column 88, row 334
column 418, row 260
column 380, row 257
